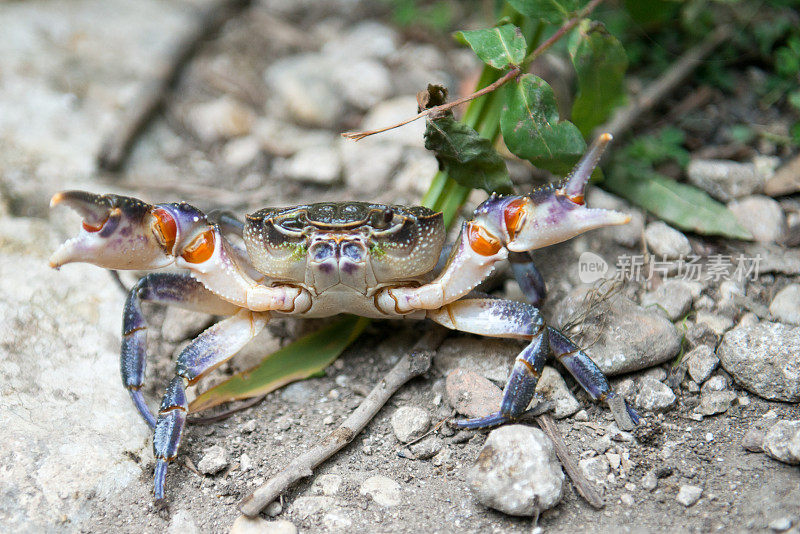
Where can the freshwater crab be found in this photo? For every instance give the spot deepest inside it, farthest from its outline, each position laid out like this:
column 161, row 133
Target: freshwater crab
column 323, row 259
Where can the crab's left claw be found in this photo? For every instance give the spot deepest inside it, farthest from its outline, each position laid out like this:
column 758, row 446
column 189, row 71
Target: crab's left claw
column 552, row 214
column 117, row 233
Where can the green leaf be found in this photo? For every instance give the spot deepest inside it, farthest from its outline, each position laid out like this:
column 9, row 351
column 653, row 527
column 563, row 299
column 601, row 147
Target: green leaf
column 467, row 157
column 532, row 129
column 553, row 11
column 301, row 359
column 600, row 62
column 681, row 205
column 497, row 47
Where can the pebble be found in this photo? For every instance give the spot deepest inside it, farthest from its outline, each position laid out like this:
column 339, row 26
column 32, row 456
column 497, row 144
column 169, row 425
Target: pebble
column 369, row 164
column 782, row 442
column 701, row 361
column 241, row 151
column 688, row 494
column 410, row 423
column 601, row 444
column 249, row 426
column 308, row 505
column 715, row 383
column 383, row 490
column 368, row 39
column 626, row 499
column 763, row 358
column 517, row 471
column 274, row 509
column 665, row 241
column 753, row 439
column 393, row 111
column 673, row 296
column 416, row 171
column 781, row 524
column 725, row 180
column 472, row 395
column 373, row 85
column 654, row 396
column 718, row 324
column 213, row 461
column 650, row 481
column 336, row 522
column 714, row 402
column 426, row 448
column 220, row 119
column 182, row 522
column 595, row 469
column 581, row 415
column 553, row 388
column 786, row 305
column 761, row 216
column 302, row 392
column 656, row 373
column 627, row 388
column 624, row 337
column 327, row 484
column 490, row 358
column 245, row 463
column 315, row 164
column 256, row 525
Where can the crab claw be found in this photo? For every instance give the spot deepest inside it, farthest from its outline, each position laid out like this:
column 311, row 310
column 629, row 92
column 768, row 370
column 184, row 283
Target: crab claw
column 551, row 214
column 117, row 232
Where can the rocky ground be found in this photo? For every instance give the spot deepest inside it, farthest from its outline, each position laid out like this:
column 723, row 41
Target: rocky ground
column 255, row 121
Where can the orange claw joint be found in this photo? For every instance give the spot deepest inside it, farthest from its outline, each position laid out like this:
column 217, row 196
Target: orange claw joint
column 575, row 184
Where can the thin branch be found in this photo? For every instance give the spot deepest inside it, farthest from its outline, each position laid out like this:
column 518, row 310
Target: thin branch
column 151, row 96
column 626, row 117
column 510, row 75
column 209, row 419
column 584, row 487
column 413, row 364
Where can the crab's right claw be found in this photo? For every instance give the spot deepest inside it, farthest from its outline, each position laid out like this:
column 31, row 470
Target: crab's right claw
column 552, row 214
column 123, row 232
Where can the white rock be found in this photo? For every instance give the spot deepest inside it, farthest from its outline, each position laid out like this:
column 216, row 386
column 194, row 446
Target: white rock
column 719, row 324
column 221, row 119
column 781, row 524
column 316, row 164
column 256, row 525
column 761, row 216
column 383, row 490
column 666, row 241
column 725, row 180
column 553, row 388
column 688, row 495
column 245, row 463
column 241, row 151
column 363, row 83
column 368, row 39
column 782, row 441
column 336, row 522
column 714, row 402
column 414, row 176
column 786, row 305
column 182, row 522
column 368, row 164
column 517, row 471
column 213, row 461
column 328, row 484
column 308, row 505
column 410, row 423
column 673, row 296
column 391, row 112
column 488, row 357
column 701, row 362
column 654, row 395
column 595, row 469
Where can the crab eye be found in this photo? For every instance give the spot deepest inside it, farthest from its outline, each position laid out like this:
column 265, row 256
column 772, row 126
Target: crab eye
column 200, row 249
column 164, row 228
column 382, row 219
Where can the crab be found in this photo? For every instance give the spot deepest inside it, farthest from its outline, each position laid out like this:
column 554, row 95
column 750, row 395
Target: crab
column 323, row 259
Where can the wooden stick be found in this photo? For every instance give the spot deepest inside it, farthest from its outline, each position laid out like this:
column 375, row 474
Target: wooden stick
column 584, row 487
column 153, row 92
column 415, row 363
column 625, row 117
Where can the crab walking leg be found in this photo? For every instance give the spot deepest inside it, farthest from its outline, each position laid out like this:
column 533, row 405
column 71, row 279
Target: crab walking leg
column 530, row 280
column 509, row 319
column 591, row 378
column 164, row 288
column 208, row 351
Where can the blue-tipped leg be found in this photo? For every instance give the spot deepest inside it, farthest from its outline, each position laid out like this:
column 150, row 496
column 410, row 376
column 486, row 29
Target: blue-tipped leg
column 169, row 430
column 530, row 280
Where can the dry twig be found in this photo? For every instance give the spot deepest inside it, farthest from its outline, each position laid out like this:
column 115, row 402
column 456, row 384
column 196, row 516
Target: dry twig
column 151, row 96
column 510, row 75
column 414, row 364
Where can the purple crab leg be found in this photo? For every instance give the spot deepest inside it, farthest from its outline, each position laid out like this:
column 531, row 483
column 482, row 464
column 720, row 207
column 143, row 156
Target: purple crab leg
column 164, row 288
column 208, row 351
column 528, row 277
column 591, row 378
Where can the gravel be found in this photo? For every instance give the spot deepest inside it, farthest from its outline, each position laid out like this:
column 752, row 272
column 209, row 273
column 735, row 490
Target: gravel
column 553, row 388
column 666, row 241
column 782, row 442
column 214, row 460
column 763, row 358
column 786, row 305
column 517, row 471
column 654, row 396
column 701, row 361
column 315, row 164
column 410, row 423
column 490, row 358
column 383, row 490
column 246, row 525
column 472, row 395
column 714, row 402
column 596, row 468
column 673, row 296
column 761, row 216
column 725, row 180
column 689, row 495
column 753, row 440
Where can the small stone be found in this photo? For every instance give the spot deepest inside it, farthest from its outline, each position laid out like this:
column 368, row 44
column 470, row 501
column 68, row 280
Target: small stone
column 306, row 506
column 666, row 241
column 328, row 420
column 336, row 522
column 656, row 373
column 701, row 362
column 471, row 394
column 368, row 39
column 595, row 469
column 221, row 119
column 781, row 524
column 182, row 523
column 301, row 392
column 369, row 164
column 614, row 460
column 391, row 112
column 714, row 402
column 274, row 509
column 374, row 82
column 242, row 151
column 316, row 164
column 715, row 383
column 786, row 305
column 410, row 423
column 245, row 463
column 327, row 484
column 517, row 471
column 688, row 494
column 627, row 388
column 654, row 395
column 488, row 357
column 213, row 461
column 553, row 388
column 782, row 442
column 426, row 448
column 649, row 481
column 256, row 525
column 753, row 439
column 383, row 490
column 415, row 172
column 601, row 444
column 725, row 180
column 249, row 426
column 718, row 324
column 627, row 499
column 673, row 297
column 761, row 216
column 581, row 415
column 763, row 358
